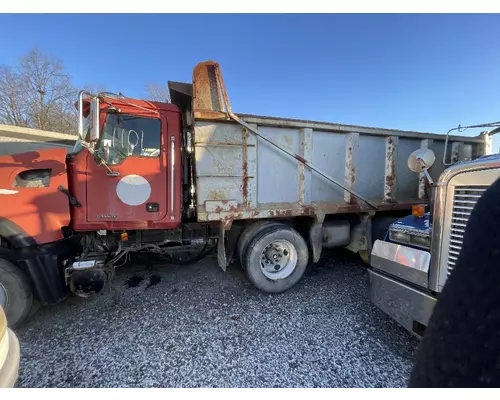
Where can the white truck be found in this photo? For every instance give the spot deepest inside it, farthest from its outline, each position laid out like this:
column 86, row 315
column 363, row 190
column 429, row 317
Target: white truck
column 411, row 263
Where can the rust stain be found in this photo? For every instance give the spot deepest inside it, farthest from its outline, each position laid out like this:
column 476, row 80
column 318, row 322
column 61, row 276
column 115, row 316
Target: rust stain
column 215, row 194
column 210, row 115
column 244, row 183
column 205, row 88
column 390, row 170
column 308, row 210
column 350, row 171
column 288, row 210
column 300, row 158
column 302, row 179
column 283, row 213
column 301, row 176
column 227, row 223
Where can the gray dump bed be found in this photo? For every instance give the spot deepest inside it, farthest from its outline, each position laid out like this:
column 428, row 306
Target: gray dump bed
column 240, row 175
column 310, row 168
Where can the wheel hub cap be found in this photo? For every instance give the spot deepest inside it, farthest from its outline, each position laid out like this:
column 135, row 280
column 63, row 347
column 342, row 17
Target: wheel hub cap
column 278, row 259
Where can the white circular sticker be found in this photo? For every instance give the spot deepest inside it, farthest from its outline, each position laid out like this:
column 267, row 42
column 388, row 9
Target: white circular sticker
column 133, row 190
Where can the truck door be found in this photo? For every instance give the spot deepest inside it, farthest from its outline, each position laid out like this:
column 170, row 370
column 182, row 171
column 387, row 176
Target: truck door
column 136, row 193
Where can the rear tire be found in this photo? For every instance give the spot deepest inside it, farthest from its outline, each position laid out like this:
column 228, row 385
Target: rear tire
column 276, row 259
column 250, row 232
column 16, row 296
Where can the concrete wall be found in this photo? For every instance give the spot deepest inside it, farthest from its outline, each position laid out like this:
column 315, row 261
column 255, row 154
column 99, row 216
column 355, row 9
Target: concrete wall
column 14, row 139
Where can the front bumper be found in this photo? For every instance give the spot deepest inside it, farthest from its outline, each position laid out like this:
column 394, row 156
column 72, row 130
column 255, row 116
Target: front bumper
column 398, row 282
column 10, row 369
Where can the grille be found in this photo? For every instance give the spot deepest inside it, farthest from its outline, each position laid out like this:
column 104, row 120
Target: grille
column 464, row 201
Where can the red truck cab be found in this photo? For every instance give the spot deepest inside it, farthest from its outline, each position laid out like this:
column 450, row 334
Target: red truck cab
column 140, row 187
column 125, row 174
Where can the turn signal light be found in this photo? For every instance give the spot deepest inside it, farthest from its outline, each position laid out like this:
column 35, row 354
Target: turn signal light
column 124, row 236
column 418, row 210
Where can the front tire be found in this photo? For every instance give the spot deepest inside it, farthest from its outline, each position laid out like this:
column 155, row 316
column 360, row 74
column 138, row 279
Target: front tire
column 16, row 296
column 276, row 259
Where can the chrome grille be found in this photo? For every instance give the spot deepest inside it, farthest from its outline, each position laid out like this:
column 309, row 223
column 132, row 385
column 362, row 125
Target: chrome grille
column 464, row 201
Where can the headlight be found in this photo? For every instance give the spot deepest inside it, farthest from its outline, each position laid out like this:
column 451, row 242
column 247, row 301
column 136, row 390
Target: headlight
column 401, row 237
column 421, row 241
column 412, row 240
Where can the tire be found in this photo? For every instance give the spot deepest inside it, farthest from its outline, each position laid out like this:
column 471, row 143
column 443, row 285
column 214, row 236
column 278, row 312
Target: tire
column 15, row 294
column 289, row 245
column 250, row 232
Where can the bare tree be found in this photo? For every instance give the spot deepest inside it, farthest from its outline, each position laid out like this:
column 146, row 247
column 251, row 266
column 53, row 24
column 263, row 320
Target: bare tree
column 38, row 93
column 50, row 93
column 13, row 108
column 158, row 93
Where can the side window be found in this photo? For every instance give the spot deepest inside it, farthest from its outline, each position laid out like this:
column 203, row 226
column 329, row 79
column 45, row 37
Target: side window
column 130, row 136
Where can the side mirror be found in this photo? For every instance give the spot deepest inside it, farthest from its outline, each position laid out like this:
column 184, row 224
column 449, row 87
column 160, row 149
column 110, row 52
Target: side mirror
column 421, row 160
column 94, row 119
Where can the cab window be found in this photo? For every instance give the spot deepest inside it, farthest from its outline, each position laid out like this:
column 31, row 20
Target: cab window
column 130, row 136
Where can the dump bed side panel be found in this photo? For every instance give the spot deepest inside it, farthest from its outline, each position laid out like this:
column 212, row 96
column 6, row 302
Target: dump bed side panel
column 240, row 175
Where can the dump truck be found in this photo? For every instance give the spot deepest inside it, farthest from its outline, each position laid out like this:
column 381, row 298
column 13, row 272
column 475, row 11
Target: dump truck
column 411, row 263
column 175, row 181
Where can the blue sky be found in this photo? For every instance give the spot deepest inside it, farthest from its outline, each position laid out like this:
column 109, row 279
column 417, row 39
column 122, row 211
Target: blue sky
column 415, row 72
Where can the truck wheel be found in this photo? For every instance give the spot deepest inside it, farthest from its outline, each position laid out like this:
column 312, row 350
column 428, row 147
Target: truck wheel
column 276, row 259
column 16, row 296
column 250, row 232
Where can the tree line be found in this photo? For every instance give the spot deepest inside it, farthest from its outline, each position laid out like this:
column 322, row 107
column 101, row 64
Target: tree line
column 38, row 93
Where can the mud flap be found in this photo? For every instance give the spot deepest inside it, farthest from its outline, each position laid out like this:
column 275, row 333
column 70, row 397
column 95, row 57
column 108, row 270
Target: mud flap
column 316, row 239
column 221, row 249
column 225, row 251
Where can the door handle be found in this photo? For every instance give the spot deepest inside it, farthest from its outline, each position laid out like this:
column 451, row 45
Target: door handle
column 172, row 177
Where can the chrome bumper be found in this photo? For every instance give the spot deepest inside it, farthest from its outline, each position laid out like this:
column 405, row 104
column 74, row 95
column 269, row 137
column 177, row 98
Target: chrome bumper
column 10, row 369
column 409, row 306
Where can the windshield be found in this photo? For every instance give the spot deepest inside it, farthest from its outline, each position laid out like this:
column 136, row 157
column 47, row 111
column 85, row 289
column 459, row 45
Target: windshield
column 129, row 135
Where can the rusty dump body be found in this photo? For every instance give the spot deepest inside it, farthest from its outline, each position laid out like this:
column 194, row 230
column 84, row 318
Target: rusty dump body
column 250, row 167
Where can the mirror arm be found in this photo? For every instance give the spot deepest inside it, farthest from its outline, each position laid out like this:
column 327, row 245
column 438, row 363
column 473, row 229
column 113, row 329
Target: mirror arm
column 101, row 160
column 425, row 171
column 428, row 176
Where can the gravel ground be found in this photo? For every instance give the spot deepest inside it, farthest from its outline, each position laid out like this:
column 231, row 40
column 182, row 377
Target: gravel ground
column 195, row 326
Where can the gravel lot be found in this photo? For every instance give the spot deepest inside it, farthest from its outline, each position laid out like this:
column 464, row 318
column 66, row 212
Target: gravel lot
column 195, row 326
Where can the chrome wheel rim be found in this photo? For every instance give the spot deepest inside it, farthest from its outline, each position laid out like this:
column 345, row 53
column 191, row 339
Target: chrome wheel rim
column 278, row 260
column 3, row 296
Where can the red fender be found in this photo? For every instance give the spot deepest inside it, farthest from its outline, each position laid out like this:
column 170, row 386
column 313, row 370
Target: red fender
column 40, row 211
